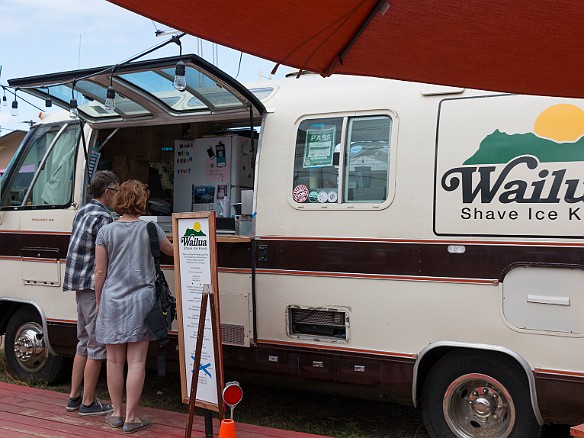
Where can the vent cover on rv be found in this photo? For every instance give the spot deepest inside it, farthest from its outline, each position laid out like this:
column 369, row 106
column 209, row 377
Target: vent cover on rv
column 232, row 334
column 324, row 324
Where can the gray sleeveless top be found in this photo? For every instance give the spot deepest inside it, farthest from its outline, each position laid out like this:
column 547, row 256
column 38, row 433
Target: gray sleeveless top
column 128, row 292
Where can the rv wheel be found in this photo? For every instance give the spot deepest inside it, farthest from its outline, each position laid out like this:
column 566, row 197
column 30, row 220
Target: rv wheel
column 26, row 352
column 476, row 394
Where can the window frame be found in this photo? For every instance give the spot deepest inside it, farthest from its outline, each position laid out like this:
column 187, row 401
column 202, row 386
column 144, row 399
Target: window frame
column 359, row 206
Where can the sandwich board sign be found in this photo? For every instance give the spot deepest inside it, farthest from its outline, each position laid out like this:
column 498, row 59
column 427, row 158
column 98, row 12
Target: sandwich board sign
column 196, row 271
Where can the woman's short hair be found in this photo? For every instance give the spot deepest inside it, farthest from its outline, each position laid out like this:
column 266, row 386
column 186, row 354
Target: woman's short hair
column 131, row 198
column 103, row 179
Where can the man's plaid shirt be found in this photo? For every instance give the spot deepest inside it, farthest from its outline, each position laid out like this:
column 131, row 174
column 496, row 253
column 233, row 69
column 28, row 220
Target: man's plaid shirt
column 81, row 253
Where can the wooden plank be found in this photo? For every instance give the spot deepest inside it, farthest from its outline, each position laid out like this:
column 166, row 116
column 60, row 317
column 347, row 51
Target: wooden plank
column 26, row 411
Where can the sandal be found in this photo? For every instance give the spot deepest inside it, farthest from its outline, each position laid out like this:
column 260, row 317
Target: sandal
column 135, row 427
column 114, row 421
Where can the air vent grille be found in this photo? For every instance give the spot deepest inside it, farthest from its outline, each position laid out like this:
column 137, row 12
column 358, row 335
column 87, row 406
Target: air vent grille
column 232, row 334
column 318, row 322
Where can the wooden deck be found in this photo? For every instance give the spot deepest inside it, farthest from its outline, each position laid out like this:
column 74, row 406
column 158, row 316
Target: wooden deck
column 31, row 412
column 577, row 431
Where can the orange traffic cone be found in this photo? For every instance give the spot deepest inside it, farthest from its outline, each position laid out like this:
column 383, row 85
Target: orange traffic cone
column 227, row 429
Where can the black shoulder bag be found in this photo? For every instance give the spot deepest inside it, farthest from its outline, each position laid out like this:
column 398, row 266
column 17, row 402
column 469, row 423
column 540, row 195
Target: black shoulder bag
column 163, row 312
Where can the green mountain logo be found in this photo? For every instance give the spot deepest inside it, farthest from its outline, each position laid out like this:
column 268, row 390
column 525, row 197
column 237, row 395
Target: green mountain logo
column 500, row 148
column 195, row 231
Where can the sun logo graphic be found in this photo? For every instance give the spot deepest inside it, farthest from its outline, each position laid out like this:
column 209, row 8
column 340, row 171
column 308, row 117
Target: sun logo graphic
column 194, row 236
column 195, row 231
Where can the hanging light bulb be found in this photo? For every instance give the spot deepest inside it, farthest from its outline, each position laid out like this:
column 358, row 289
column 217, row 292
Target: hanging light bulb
column 48, row 100
column 73, row 111
column 4, row 100
column 14, row 109
column 110, row 101
column 180, row 82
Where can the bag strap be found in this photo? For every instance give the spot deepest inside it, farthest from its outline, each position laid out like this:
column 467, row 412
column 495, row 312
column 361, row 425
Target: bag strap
column 154, row 244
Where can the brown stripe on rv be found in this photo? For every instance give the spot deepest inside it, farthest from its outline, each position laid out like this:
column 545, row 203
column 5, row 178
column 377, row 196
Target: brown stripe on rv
column 479, row 261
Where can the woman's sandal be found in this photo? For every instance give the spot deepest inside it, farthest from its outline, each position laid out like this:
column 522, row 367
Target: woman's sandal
column 114, row 421
column 135, row 427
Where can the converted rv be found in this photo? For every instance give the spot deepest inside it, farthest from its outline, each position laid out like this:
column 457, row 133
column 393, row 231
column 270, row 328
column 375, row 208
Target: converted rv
column 418, row 242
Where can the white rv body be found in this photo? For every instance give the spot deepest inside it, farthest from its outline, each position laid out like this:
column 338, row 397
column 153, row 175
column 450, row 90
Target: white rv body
column 429, row 252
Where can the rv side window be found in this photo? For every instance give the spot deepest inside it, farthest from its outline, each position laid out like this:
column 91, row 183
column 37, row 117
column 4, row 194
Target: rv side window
column 342, row 155
column 316, row 163
column 367, row 160
column 45, row 165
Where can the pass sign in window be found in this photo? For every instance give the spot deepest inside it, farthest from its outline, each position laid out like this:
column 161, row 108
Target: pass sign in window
column 319, row 147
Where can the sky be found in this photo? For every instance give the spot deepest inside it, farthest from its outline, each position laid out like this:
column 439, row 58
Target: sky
column 40, row 36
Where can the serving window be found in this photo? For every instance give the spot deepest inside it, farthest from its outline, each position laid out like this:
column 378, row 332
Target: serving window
column 342, row 160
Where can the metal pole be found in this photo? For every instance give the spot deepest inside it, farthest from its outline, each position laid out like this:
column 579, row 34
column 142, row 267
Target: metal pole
column 208, row 424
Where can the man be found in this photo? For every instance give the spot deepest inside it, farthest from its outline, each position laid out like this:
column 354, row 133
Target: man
column 79, row 278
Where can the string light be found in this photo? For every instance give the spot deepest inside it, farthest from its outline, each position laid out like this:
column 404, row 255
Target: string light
column 180, row 82
column 73, row 111
column 14, row 109
column 110, row 101
column 48, row 101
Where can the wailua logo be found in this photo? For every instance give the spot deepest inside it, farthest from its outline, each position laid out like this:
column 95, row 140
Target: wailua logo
column 194, row 236
column 531, row 168
column 489, row 185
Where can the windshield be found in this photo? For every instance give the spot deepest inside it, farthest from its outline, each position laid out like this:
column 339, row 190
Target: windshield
column 41, row 175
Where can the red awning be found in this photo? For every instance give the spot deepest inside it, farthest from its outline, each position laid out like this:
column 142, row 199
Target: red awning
column 521, row 46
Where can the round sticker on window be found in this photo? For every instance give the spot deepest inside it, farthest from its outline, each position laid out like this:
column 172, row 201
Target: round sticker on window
column 322, row 197
column 332, row 196
column 313, row 196
column 300, row 193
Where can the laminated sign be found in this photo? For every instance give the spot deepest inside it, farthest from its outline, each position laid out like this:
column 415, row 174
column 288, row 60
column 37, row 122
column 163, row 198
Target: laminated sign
column 319, row 147
column 196, row 270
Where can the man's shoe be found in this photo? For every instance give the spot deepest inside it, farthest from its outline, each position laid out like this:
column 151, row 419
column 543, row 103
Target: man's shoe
column 74, row 403
column 96, row 408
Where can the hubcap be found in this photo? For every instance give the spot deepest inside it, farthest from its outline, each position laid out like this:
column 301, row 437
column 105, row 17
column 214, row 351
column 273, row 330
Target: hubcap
column 29, row 347
column 478, row 405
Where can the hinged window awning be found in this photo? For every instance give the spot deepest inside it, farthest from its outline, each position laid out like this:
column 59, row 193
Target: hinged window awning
column 144, row 90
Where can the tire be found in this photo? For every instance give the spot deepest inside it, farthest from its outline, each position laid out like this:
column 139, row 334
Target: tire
column 26, row 352
column 470, row 394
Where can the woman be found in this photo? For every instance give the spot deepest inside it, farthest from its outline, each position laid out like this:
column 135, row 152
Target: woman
column 124, row 289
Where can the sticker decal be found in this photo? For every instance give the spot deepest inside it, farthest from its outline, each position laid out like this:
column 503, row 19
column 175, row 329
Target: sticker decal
column 300, row 193
column 322, row 197
column 313, row 196
column 332, row 197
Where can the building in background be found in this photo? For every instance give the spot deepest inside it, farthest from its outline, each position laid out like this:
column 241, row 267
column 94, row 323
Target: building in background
column 8, row 145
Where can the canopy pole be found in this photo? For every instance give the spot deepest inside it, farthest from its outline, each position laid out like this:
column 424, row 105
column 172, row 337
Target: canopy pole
column 382, row 7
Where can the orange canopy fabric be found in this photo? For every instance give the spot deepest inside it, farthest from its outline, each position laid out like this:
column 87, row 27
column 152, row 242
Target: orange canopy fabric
column 520, row 46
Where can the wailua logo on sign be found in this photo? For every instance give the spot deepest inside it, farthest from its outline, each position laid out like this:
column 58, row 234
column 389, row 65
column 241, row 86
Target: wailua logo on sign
column 194, row 237
column 519, row 183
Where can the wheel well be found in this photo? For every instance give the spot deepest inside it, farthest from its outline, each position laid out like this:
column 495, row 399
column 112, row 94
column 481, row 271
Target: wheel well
column 8, row 309
column 428, row 358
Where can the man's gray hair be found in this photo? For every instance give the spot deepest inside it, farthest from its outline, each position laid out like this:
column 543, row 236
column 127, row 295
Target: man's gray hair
column 102, row 180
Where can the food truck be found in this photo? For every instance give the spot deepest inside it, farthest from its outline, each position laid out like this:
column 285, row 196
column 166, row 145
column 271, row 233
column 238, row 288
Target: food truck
column 420, row 243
